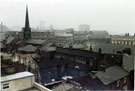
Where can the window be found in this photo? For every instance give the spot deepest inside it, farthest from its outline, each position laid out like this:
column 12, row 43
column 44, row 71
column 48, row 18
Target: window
column 6, row 86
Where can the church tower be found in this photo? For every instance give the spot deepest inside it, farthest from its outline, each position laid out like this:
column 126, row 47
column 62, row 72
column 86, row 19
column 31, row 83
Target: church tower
column 26, row 29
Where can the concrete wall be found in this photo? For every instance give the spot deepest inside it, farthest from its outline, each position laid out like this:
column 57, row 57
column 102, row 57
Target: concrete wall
column 40, row 87
column 19, row 84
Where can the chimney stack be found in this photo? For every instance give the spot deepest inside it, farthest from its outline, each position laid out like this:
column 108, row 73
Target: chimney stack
column 90, row 48
column 100, row 50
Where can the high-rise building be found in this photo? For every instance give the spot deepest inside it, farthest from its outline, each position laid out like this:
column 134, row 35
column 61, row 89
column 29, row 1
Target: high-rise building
column 26, row 29
column 84, row 27
column 42, row 25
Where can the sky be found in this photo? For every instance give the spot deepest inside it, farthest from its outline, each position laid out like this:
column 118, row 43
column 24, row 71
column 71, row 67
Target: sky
column 114, row 16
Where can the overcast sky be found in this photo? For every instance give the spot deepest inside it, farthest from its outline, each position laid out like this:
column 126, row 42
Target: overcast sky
column 115, row 16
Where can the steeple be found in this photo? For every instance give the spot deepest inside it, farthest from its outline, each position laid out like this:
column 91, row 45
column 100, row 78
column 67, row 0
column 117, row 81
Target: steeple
column 26, row 29
column 27, row 18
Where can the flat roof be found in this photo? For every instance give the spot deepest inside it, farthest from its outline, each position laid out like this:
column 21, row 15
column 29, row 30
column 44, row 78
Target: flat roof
column 16, row 76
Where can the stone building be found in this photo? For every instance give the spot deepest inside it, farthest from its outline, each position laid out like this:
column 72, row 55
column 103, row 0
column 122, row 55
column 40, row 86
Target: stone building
column 99, row 36
column 80, row 36
column 124, row 40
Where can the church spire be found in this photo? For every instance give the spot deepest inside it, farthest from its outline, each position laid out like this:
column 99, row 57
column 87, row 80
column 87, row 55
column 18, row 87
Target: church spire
column 27, row 18
column 26, row 29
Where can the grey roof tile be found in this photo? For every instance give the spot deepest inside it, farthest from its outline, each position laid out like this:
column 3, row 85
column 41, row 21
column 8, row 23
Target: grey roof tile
column 10, row 39
column 28, row 48
column 35, row 41
column 77, row 52
column 128, row 62
column 111, row 74
column 33, row 55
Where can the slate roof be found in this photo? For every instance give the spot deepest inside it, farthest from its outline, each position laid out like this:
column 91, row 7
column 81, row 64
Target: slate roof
column 79, row 46
column 99, row 34
column 2, row 45
column 128, row 62
column 88, row 81
column 110, row 48
column 123, row 36
column 77, row 52
column 52, row 63
column 81, row 32
column 28, row 48
column 76, row 46
column 10, row 39
column 111, row 74
column 106, row 48
column 33, row 55
column 48, row 49
column 18, row 42
column 49, row 44
column 35, row 41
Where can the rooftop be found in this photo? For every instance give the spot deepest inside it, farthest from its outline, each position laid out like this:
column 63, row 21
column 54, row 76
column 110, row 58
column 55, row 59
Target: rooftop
column 48, row 49
column 10, row 39
column 110, row 48
column 2, row 45
column 33, row 55
column 52, row 63
column 28, row 48
column 99, row 34
column 77, row 52
column 63, row 34
column 128, row 62
column 111, row 74
column 16, row 76
column 35, row 41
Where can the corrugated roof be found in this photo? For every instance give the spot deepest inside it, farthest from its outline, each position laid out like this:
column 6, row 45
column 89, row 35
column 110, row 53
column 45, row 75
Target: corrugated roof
column 16, row 76
column 111, row 74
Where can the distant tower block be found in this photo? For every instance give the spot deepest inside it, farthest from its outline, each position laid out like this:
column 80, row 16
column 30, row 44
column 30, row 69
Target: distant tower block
column 1, row 26
column 84, row 27
column 51, row 27
column 27, row 29
column 42, row 25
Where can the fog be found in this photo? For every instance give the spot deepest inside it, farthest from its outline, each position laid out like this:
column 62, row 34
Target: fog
column 115, row 16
